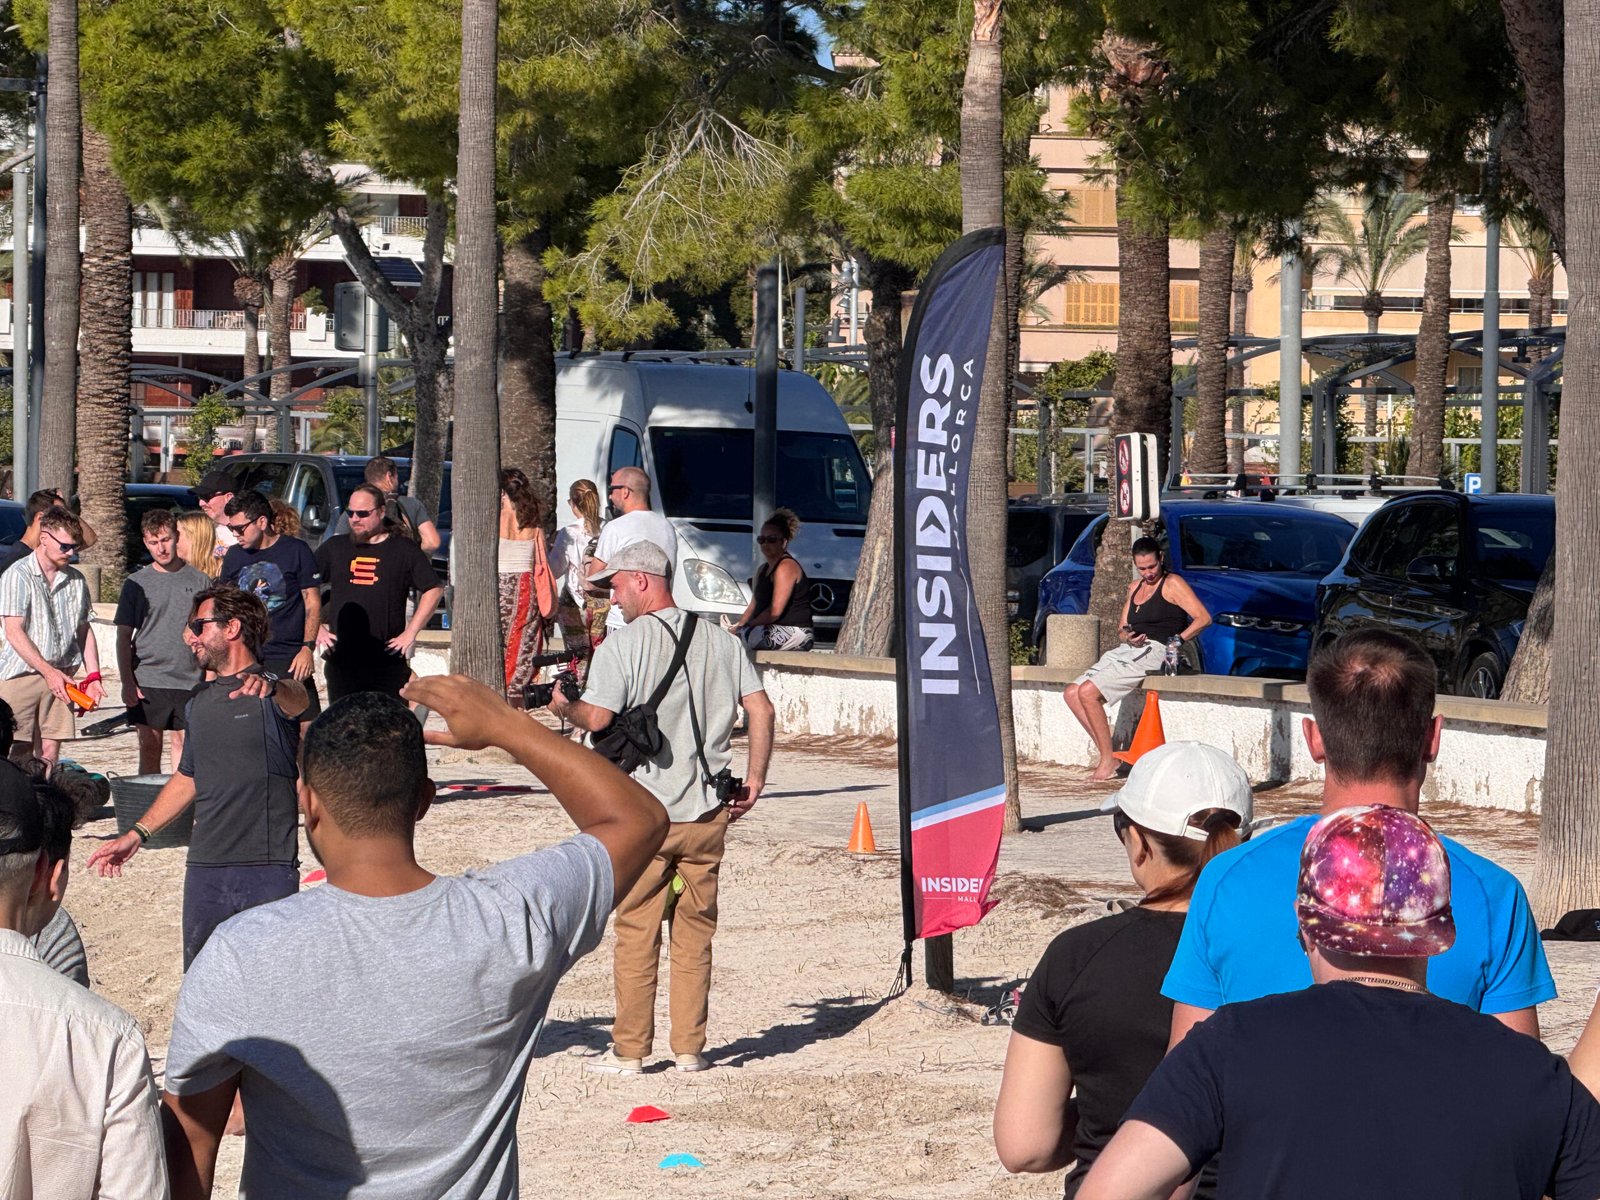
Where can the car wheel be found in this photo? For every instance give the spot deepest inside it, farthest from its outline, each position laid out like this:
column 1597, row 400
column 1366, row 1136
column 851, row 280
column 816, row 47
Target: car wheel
column 1482, row 678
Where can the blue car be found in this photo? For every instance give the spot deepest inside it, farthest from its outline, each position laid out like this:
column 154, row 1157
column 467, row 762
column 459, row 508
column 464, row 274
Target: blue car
column 1255, row 566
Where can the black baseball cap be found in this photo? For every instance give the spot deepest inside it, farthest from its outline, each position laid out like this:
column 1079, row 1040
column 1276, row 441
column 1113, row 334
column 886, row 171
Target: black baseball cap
column 18, row 801
column 215, row 483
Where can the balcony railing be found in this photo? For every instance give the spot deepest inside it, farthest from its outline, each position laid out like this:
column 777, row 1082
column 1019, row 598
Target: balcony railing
column 201, row 318
column 403, row 226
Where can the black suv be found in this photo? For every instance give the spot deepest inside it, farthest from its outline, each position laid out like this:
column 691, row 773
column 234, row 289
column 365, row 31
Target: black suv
column 1039, row 532
column 1453, row 573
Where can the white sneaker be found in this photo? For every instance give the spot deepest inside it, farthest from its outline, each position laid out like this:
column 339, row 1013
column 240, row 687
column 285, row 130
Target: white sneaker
column 691, row 1062
column 611, row 1063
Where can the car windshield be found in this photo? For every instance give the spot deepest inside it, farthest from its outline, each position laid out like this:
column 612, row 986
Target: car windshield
column 1247, row 541
column 1514, row 546
column 350, row 478
column 706, row 474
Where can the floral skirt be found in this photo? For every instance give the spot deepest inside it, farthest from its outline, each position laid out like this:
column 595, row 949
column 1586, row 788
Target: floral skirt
column 583, row 627
column 521, row 627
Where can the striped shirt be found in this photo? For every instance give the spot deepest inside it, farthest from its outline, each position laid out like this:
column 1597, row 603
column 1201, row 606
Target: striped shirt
column 52, row 614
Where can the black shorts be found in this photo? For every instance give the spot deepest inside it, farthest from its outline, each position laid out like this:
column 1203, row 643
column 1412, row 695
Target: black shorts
column 161, row 708
column 213, row 894
column 345, row 677
column 280, row 668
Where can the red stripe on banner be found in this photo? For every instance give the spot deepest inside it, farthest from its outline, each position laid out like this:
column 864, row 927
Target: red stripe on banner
column 948, row 895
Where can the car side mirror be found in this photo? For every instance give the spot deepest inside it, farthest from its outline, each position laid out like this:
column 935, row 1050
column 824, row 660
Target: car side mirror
column 313, row 519
column 1431, row 568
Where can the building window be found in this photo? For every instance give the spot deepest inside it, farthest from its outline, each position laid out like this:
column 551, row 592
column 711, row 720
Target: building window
column 1089, row 305
column 1183, row 307
column 1093, row 207
column 154, row 300
column 1469, row 380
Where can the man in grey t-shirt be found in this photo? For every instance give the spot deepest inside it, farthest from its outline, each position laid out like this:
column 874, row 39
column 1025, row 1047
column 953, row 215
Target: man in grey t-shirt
column 379, row 1027
column 158, row 670
column 715, row 680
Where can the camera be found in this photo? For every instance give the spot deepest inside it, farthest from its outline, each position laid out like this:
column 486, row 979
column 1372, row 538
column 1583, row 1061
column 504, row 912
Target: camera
column 539, row 695
column 727, row 786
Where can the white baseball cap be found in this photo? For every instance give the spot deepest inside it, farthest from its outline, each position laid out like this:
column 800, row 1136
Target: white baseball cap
column 1173, row 782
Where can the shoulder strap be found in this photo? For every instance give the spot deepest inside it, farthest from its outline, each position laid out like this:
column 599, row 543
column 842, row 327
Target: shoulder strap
column 679, row 653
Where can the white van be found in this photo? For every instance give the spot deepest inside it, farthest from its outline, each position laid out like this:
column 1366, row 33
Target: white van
column 690, row 425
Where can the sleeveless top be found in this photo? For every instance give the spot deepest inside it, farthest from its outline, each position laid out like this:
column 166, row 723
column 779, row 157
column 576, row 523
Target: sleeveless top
column 797, row 613
column 1158, row 618
column 516, row 556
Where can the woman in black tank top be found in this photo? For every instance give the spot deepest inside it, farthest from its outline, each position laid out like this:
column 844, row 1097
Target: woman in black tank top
column 778, row 616
column 1159, row 607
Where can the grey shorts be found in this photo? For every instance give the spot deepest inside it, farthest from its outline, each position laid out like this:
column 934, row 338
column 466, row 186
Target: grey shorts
column 1121, row 670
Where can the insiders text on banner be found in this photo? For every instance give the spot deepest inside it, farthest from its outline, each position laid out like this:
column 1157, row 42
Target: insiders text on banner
column 952, row 777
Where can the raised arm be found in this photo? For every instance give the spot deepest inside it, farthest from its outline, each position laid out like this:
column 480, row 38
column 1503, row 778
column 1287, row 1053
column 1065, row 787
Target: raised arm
column 603, row 802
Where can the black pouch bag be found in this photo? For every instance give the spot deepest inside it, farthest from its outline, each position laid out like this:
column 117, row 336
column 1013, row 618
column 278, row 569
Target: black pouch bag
column 634, row 736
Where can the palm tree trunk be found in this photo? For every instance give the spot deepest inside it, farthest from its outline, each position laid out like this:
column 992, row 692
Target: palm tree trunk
column 868, row 627
column 1567, row 870
column 281, row 277
column 1369, row 415
column 1433, row 345
column 982, row 207
column 63, row 268
column 1541, row 293
column 1242, row 283
column 103, row 409
column 250, row 291
column 476, row 648
column 1143, row 388
column 528, row 396
column 1210, row 453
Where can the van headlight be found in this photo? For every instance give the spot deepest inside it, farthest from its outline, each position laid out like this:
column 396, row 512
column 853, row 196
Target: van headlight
column 710, row 582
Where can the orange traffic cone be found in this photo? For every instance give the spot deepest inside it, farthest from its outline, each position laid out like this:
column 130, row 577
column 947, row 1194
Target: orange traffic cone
column 1149, row 735
column 861, row 835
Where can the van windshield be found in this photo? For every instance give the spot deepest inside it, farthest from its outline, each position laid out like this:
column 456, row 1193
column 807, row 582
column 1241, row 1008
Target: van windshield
column 706, row 474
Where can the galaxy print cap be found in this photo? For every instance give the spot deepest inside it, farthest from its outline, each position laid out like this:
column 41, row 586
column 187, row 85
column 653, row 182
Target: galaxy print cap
column 1375, row 881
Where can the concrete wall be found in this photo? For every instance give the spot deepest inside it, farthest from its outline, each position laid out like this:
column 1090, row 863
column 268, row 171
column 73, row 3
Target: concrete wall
column 1492, row 754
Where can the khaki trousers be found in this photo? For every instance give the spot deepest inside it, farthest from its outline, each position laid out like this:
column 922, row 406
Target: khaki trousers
column 693, row 850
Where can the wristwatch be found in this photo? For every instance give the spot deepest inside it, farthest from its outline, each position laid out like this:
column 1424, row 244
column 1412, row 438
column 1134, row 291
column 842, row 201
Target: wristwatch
column 274, row 680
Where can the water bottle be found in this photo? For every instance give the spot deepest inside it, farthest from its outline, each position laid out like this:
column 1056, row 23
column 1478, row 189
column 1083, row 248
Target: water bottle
column 1169, row 661
column 444, row 619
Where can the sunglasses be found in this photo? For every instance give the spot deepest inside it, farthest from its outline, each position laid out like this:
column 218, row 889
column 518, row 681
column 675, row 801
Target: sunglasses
column 1120, row 824
column 363, row 513
column 198, row 625
column 69, row 547
column 769, row 539
column 236, row 530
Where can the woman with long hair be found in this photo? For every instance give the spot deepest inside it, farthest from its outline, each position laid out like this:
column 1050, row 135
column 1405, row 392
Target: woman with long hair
column 778, row 616
column 285, row 521
column 583, row 616
column 526, row 580
column 197, row 543
column 1092, row 1015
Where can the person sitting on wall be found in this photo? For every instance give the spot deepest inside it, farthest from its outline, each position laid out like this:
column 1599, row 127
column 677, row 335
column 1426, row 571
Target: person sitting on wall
column 1159, row 608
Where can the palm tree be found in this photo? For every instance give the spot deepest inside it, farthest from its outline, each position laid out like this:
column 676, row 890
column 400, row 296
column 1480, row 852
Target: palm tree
column 1368, row 256
column 1426, row 457
column 982, row 207
column 103, row 401
column 475, row 645
column 1537, row 250
column 63, row 268
column 1209, row 454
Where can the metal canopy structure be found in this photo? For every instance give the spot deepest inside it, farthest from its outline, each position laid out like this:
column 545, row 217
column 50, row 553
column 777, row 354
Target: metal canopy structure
column 1353, row 364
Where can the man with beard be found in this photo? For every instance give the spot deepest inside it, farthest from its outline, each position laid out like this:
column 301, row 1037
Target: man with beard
column 238, row 770
column 370, row 574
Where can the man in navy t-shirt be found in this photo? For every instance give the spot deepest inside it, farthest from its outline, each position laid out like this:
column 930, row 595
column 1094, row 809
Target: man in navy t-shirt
column 1364, row 1084
column 281, row 572
column 1374, row 730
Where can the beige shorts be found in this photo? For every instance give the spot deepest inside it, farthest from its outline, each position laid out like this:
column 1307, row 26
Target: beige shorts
column 1122, row 669
column 36, row 707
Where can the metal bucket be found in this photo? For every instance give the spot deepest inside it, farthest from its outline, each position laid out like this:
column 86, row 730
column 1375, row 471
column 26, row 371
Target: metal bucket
column 134, row 794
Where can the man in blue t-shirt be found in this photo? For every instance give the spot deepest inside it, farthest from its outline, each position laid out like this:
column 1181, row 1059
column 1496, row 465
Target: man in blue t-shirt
column 281, row 572
column 1363, row 1085
column 1374, row 731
